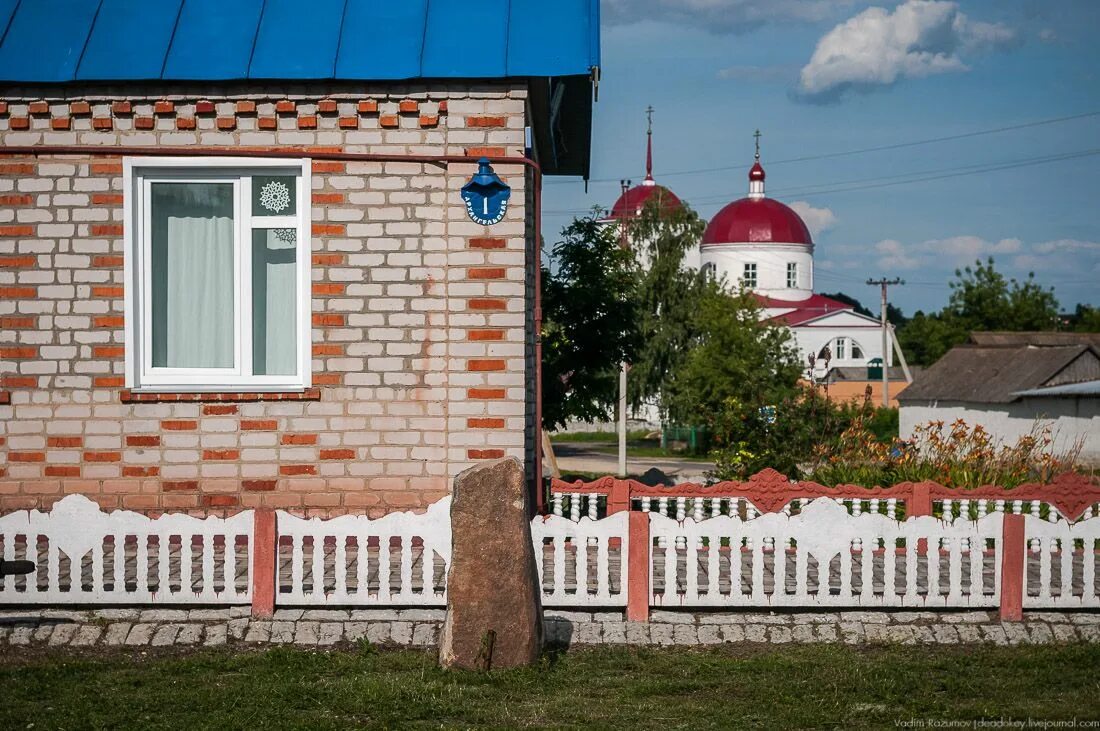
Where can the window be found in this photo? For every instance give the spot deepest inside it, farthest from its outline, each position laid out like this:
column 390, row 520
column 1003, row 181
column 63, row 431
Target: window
column 217, row 261
column 840, row 348
column 792, row 275
column 748, row 279
column 709, row 269
column 857, row 352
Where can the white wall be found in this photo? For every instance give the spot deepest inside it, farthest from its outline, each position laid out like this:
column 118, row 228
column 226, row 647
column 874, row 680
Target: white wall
column 1069, row 418
column 811, row 339
column 771, row 267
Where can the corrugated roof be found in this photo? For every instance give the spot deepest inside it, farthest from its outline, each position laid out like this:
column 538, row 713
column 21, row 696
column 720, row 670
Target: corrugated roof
column 1087, row 388
column 1042, row 339
column 55, row 41
column 990, row 375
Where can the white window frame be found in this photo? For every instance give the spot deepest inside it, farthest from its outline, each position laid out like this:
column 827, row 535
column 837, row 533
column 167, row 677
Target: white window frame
column 792, row 275
column 138, row 174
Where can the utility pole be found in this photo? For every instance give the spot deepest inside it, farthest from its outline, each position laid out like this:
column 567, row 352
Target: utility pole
column 624, row 242
column 883, row 285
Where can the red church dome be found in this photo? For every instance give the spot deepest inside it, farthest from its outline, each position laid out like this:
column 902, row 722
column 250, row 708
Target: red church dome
column 634, row 199
column 757, row 220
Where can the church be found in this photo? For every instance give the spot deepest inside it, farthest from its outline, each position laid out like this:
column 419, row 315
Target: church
column 763, row 245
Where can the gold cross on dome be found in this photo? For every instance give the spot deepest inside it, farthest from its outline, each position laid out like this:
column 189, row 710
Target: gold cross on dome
column 757, row 136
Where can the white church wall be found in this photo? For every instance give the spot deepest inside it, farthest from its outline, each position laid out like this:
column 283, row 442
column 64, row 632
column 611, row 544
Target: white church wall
column 811, row 339
column 771, row 266
column 1070, row 419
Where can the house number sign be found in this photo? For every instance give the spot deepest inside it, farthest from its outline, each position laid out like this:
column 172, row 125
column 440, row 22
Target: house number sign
column 486, row 195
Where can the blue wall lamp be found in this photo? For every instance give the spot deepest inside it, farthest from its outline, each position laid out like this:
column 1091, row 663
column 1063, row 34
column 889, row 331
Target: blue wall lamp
column 486, row 195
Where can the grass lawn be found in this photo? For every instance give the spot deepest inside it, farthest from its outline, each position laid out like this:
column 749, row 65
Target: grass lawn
column 720, row 687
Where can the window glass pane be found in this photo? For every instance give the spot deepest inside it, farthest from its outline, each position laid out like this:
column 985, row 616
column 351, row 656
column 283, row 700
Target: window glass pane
column 840, row 348
column 192, row 298
column 273, row 195
column 274, row 302
column 857, row 352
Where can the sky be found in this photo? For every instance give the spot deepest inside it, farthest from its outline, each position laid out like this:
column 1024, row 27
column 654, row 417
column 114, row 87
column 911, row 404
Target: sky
column 822, row 77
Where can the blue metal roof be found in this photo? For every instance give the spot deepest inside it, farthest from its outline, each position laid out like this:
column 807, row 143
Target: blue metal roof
column 50, row 41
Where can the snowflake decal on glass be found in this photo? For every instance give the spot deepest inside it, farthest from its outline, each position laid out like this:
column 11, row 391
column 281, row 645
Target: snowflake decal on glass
column 286, row 235
column 275, row 196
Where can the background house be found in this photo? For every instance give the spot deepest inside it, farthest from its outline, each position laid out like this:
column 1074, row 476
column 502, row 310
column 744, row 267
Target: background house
column 259, row 317
column 1009, row 383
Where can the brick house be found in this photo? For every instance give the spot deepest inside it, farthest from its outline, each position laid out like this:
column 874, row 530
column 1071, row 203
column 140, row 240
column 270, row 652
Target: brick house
column 235, row 266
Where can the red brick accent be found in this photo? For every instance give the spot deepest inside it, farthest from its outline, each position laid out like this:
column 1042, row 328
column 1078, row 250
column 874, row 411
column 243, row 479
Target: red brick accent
column 103, row 456
column 179, row 424
column 56, row 470
column 297, row 469
column 337, row 454
column 3, row 108
column 131, row 471
column 408, row 106
column 220, row 409
column 485, row 121
column 484, row 423
column 487, row 242
column 144, row 123
column 329, row 289
column 64, row 442
column 109, row 381
column 108, row 351
column 204, row 106
column 321, row 349
column 481, row 335
column 327, row 379
column 107, row 199
column 16, row 200
column 485, row 393
column 221, row 454
column 443, row 107
column 107, row 229
column 26, row 456
column 16, row 230
column 307, row 122
column 60, row 123
column 309, row 394
column 17, row 323
column 39, row 108
column 18, row 292
column 221, row 501
column 327, row 197
column 267, row 123
column 485, row 273
column 246, row 106
column 122, row 108
column 484, row 152
column 484, row 453
column 106, row 168
column 110, row 261
column 17, row 382
column 486, row 303
column 19, row 123
column 259, row 485
column 18, row 168
column 329, row 259
column 285, row 107
column 19, row 352
column 368, row 106
column 142, row 440
column 227, row 124
column 348, row 122
column 326, row 106
column 299, row 439
column 16, row 262
column 328, row 319
column 185, row 123
column 485, row 364
column 429, row 120
column 388, row 120
column 80, row 107
column 164, row 107
column 328, row 229
column 328, row 166
column 259, row 425
column 107, row 292
column 108, row 321
column 179, row 485
column 103, row 124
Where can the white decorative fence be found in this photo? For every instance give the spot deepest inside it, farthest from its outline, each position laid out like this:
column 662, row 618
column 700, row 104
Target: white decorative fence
column 1061, row 564
column 86, row 556
column 825, row 557
column 398, row 560
column 583, row 563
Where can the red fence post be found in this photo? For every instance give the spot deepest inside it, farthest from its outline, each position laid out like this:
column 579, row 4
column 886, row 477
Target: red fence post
column 618, row 499
column 264, row 551
column 637, row 569
column 920, row 503
column 1012, row 568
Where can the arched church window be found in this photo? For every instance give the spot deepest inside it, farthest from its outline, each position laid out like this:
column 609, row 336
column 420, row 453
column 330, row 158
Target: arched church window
column 709, row 269
column 857, row 351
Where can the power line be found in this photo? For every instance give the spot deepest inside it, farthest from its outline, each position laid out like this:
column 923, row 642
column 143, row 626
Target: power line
column 864, row 150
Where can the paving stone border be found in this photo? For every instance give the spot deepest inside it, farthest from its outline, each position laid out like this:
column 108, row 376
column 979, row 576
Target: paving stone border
column 419, row 628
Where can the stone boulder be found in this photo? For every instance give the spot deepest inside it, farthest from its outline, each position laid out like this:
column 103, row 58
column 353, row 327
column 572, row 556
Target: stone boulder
column 494, row 611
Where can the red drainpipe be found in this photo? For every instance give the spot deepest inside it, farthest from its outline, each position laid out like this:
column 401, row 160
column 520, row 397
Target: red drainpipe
column 444, row 160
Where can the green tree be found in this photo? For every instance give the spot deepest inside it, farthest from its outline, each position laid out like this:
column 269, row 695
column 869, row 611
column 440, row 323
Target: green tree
column 1085, row 319
column 666, row 296
column 589, row 322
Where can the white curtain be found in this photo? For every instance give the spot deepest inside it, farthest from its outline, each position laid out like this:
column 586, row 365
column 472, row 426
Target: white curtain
column 192, row 271
column 274, row 324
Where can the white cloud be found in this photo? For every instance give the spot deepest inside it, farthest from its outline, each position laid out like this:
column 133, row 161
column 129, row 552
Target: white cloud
column 893, row 255
column 877, row 47
column 1060, row 257
column 968, row 248
column 816, row 219
column 1048, row 35
column 719, row 15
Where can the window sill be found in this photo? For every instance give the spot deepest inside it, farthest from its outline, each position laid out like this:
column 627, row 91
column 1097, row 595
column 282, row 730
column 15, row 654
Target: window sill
column 143, row 397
